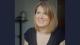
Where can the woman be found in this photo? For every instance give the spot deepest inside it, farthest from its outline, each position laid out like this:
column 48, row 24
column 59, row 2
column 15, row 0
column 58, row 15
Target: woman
column 46, row 30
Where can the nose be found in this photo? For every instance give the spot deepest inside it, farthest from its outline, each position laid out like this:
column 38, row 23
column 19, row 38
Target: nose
column 41, row 17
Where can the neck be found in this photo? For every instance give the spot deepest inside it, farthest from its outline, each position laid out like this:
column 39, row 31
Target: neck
column 43, row 30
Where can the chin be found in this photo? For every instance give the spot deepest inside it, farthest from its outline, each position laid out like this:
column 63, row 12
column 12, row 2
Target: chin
column 41, row 25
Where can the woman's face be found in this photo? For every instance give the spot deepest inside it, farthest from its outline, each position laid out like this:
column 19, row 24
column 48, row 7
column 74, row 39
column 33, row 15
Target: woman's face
column 41, row 18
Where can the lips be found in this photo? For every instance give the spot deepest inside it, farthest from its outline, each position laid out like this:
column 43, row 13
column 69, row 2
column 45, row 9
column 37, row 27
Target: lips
column 41, row 20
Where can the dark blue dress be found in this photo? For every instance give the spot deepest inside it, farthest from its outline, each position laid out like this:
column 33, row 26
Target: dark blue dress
column 55, row 39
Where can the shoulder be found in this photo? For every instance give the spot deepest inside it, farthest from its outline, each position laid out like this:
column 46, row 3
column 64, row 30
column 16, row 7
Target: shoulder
column 59, row 35
column 62, row 43
column 30, row 30
column 28, row 33
column 59, row 32
column 25, row 42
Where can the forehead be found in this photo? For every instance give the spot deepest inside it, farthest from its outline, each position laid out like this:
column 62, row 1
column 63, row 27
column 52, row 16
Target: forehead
column 42, row 9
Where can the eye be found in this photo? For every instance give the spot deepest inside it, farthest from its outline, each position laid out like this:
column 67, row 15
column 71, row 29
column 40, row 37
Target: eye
column 45, row 14
column 37, row 12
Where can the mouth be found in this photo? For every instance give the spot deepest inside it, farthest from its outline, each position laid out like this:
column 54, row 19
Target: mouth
column 42, row 21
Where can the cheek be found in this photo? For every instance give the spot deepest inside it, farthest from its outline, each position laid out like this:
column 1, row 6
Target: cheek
column 36, row 17
column 46, row 18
